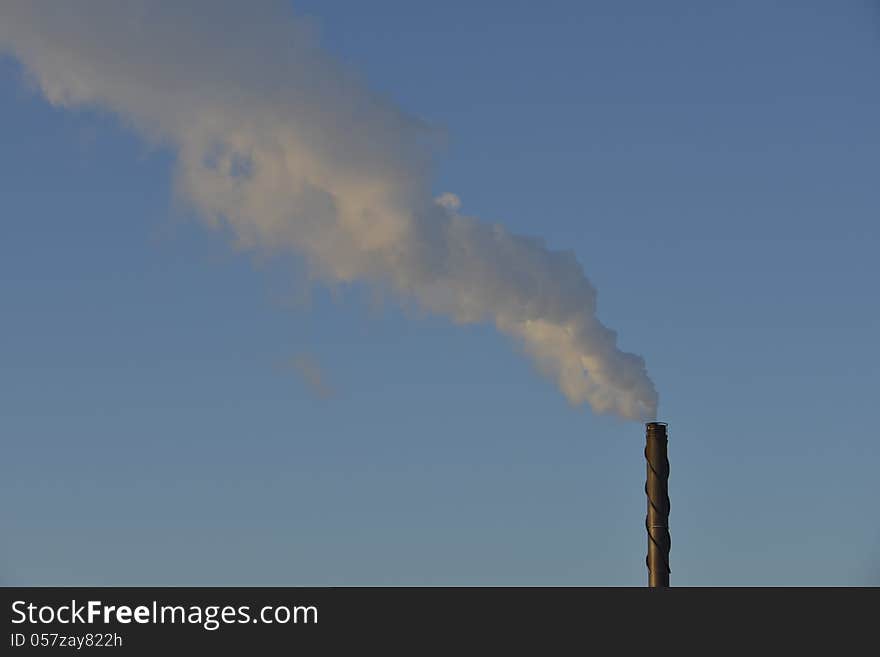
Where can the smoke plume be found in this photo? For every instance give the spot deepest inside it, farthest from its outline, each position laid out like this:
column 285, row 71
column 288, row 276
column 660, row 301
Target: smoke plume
column 313, row 376
column 285, row 149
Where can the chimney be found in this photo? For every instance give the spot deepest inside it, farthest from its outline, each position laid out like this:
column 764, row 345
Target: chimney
column 657, row 490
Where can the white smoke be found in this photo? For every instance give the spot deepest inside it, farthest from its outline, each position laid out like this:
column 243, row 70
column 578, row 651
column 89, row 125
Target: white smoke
column 278, row 143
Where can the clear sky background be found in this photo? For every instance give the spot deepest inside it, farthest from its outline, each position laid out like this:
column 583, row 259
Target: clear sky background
column 714, row 166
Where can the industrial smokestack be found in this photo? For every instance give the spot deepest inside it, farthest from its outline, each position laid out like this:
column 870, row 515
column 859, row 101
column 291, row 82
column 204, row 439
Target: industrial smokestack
column 657, row 490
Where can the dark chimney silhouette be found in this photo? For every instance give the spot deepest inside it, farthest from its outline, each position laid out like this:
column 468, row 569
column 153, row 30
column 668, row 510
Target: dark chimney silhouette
column 657, row 490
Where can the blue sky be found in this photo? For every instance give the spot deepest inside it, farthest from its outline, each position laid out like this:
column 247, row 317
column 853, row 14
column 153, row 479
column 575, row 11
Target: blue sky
column 714, row 169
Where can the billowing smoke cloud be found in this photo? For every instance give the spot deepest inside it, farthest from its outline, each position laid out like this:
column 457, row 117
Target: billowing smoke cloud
column 288, row 151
